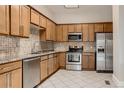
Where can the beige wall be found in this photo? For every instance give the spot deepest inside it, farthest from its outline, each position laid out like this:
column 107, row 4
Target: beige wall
column 118, row 45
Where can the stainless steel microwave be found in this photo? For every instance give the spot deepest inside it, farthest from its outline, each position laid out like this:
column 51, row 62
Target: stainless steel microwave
column 74, row 36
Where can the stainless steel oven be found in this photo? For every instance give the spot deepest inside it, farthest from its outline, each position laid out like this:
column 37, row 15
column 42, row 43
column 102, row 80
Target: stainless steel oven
column 73, row 60
column 74, row 36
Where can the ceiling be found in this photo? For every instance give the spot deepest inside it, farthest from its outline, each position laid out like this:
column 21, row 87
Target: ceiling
column 60, row 9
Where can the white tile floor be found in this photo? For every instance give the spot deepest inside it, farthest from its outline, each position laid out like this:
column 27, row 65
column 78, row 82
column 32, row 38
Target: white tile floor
column 78, row 79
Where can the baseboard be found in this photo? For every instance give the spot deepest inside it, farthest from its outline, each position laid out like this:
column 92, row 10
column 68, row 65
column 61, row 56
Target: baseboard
column 117, row 82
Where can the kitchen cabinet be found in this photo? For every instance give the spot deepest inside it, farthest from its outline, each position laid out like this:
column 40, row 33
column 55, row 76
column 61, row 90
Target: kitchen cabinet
column 59, row 32
column 20, row 26
column 91, row 32
column 43, row 66
column 53, row 33
column 4, row 19
column 35, row 17
column 88, row 61
column 78, row 28
column 50, row 64
column 85, row 32
column 43, row 21
column 15, row 24
column 62, row 59
column 11, row 75
column 65, row 32
column 108, row 27
column 99, row 27
column 71, row 28
column 49, row 30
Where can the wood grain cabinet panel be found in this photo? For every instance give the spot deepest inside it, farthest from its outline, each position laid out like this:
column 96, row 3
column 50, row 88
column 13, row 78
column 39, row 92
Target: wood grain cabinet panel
column 62, row 60
column 99, row 28
column 16, row 78
column 91, row 32
column 43, row 66
column 3, row 80
column 25, row 21
column 48, row 30
column 15, row 24
column 92, row 62
column 53, row 33
column 78, row 28
column 85, row 62
column 59, row 32
column 85, row 32
column 108, row 27
column 65, row 32
column 71, row 28
column 43, row 21
column 35, row 17
column 4, row 19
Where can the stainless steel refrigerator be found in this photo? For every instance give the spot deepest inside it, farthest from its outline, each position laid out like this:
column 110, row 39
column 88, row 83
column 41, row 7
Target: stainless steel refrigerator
column 104, row 51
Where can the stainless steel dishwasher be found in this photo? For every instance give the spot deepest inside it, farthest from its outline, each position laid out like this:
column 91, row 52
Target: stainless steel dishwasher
column 31, row 72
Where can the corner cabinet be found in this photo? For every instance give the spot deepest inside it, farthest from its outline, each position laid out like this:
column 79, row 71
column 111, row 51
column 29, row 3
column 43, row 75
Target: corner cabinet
column 11, row 75
column 20, row 26
column 4, row 19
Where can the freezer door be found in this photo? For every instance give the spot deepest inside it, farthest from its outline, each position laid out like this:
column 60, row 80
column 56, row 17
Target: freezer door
column 100, row 51
column 109, row 52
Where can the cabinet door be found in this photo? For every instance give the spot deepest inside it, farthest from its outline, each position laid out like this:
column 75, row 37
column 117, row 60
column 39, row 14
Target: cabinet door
column 4, row 19
column 25, row 20
column 16, row 78
column 85, row 32
column 85, row 62
column 48, row 30
column 92, row 62
column 3, row 80
column 15, row 20
column 99, row 28
column 71, row 28
column 59, row 33
column 65, row 32
column 61, row 60
column 78, row 28
column 35, row 17
column 53, row 33
column 43, row 21
column 43, row 66
column 108, row 27
column 50, row 66
column 91, row 32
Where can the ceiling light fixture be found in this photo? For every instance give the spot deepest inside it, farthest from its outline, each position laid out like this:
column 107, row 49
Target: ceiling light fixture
column 71, row 6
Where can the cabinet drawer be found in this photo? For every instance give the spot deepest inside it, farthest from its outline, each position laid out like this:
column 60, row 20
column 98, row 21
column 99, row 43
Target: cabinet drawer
column 10, row 66
column 44, row 57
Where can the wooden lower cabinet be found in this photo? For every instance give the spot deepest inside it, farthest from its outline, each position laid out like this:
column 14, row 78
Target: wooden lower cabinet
column 43, row 65
column 12, row 79
column 88, row 62
column 11, row 75
column 62, row 59
column 50, row 66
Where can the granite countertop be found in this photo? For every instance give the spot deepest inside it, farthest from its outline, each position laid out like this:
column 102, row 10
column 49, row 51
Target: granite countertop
column 21, row 57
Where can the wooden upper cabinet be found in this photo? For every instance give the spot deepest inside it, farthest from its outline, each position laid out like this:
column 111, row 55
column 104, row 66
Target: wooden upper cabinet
column 15, row 20
column 59, row 32
column 91, row 32
column 25, row 21
column 4, row 19
column 43, row 21
column 65, row 32
column 48, row 30
column 20, row 26
column 108, row 27
column 35, row 17
column 85, row 32
column 78, row 28
column 53, row 33
column 99, row 27
column 71, row 28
